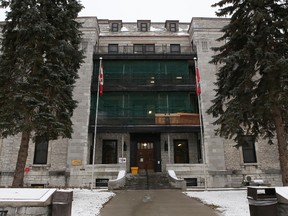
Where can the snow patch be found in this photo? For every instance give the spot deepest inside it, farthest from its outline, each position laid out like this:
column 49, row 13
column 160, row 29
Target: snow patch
column 88, row 202
column 231, row 203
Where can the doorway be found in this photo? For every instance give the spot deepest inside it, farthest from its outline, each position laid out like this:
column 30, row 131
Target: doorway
column 145, row 152
column 145, row 156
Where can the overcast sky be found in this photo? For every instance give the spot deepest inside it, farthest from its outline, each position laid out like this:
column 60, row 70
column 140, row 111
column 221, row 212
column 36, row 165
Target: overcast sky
column 154, row 10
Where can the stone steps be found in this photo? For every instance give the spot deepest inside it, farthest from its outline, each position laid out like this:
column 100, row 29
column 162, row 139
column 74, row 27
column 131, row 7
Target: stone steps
column 147, row 181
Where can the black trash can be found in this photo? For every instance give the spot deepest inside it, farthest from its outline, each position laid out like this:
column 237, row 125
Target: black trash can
column 62, row 203
column 262, row 201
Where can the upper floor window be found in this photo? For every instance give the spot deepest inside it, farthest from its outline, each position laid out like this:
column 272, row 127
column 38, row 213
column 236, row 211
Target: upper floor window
column 248, row 149
column 41, row 150
column 144, row 27
column 112, row 48
column 115, row 27
column 144, row 48
column 172, row 27
column 175, row 48
column 204, row 46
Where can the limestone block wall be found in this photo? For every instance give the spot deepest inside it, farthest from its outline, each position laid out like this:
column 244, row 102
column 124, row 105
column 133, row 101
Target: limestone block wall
column 203, row 35
column 169, row 158
column 225, row 162
column 78, row 145
column 50, row 174
column 61, row 152
column 113, row 136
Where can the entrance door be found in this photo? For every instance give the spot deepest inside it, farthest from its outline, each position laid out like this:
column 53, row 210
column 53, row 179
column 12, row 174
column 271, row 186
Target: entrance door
column 145, row 155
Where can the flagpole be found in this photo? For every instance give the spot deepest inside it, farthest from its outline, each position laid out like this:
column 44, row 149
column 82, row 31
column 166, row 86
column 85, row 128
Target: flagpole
column 198, row 91
column 95, row 125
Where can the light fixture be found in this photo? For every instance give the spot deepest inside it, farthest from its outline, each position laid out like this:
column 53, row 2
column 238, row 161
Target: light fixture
column 179, row 145
column 150, row 112
column 179, row 77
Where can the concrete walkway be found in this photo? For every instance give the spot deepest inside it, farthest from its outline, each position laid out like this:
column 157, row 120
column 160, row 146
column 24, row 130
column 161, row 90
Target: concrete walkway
column 154, row 203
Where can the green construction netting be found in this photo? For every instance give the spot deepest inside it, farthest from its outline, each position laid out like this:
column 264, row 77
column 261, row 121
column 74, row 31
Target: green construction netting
column 143, row 104
column 142, row 70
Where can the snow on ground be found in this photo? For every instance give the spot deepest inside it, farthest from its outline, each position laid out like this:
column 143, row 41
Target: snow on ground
column 231, row 203
column 89, row 203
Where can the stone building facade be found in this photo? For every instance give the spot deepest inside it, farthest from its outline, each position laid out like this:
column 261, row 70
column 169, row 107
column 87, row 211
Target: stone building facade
column 127, row 138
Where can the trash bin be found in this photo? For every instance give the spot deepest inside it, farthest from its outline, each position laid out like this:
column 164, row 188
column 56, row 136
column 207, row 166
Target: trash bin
column 134, row 170
column 62, row 203
column 262, row 201
column 3, row 212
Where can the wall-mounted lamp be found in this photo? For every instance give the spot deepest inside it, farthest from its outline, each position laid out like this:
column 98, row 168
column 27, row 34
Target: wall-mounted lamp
column 165, row 146
column 125, row 146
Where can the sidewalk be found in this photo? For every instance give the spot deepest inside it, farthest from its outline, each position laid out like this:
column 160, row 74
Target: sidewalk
column 154, row 203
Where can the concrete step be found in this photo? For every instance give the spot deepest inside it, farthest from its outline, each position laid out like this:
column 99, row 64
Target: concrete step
column 147, row 181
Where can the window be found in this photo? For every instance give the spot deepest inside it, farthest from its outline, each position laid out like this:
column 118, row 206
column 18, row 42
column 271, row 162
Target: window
column 175, row 48
column 41, row 150
column 181, row 153
column 145, row 145
column 138, row 48
column 112, row 48
column 144, row 48
column 150, row 48
column 144, row 27
column 248, row 149
column 204, row 46
column 109, row 152
column 172, row 27
column 115, row 27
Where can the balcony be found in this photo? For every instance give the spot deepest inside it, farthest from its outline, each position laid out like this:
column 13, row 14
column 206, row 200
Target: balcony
column 177, row 122
column 159, row 119
column 164, row 50
column 177, row 119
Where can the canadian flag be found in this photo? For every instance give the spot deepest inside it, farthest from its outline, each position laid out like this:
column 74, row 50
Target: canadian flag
column 198, row 88
column 101, row 78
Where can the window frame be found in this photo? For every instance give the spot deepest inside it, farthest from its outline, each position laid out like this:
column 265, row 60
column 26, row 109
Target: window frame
column 41, row 151
column 143, row 48
column 172, row 27
column 111, row 159
column 144, row 27
column 149, row 48
column 248, row 149
column 183, row 152
column 115, row 27
column 113, row 48
column 176, row 51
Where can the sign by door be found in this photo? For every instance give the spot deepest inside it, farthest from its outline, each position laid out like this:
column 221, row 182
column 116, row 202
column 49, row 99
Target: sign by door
column 122, row 160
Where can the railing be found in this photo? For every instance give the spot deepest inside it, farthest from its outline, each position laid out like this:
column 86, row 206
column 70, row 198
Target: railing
column 158, row 119
column 158, row 49
column 127, row 80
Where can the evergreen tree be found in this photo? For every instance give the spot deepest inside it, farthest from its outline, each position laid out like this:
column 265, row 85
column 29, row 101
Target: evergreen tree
column 38, row 69
column 252, row 82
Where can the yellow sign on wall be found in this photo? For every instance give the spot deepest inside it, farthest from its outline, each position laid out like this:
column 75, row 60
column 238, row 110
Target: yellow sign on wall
column 76, row 162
